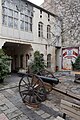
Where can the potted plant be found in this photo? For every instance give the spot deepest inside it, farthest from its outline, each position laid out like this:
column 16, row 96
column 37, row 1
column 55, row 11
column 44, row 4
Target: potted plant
column 76, row 64
column 4, row 67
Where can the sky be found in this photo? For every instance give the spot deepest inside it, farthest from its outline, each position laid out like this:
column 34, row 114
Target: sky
column 37, row 2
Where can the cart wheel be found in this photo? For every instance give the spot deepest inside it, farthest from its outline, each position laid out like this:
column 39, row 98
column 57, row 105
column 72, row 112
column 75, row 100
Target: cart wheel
column 32, row 90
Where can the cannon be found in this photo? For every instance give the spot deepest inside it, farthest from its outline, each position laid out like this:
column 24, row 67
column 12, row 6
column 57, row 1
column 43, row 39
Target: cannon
column 33, row 88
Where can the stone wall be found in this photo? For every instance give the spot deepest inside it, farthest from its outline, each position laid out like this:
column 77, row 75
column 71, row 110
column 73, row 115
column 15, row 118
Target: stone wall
column 69, row 11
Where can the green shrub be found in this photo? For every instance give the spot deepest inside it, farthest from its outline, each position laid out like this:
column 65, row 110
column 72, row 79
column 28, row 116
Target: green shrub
column 38, row 63
column 4, row 67
column 76, row 64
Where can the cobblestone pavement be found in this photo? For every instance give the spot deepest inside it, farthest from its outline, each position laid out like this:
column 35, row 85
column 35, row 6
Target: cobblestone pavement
column 12, row 107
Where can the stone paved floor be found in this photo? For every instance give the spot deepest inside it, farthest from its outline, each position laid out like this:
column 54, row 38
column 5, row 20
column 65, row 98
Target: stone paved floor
column 12, row 107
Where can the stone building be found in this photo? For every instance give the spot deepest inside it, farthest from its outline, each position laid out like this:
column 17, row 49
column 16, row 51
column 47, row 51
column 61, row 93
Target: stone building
column 25, row 28
column 69, row 12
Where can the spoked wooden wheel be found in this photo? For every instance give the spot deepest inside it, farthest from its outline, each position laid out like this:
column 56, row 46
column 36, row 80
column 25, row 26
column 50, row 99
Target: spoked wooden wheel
column 32, row 90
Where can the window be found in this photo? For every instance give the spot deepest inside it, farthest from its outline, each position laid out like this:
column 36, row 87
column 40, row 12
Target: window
column 22, row 25
column 4, row 17
column 40, row 13
column 10, row 22
column 4, row 20
column 26, row 26
column 10, row 12
column 25, row 22
column 26, row 18
column 30, row 24
column 22, row 21
column 15, row 23
column 22, row 16
column 42, row 57
column 15, row 19
column 40, row 29
column 30, row 7
column 15, row 14
column 29, row 27
column 11, row 16
column 48, row 17
column 45, row 47
column 29, row 12
column 4, row 11
column 48, row 32
column 49, row 60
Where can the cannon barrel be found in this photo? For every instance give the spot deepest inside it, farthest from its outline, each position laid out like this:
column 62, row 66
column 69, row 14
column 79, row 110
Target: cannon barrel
column 46, row 79
column 49, row 80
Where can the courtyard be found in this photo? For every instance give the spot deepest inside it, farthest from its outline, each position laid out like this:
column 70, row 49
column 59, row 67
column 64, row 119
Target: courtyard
column 12, row 107
column 52, row 28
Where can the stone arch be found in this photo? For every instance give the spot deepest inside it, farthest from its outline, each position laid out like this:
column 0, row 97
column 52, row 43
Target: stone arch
column 18, row 52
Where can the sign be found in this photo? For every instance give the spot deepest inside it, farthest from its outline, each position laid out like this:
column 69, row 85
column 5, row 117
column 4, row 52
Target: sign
column 68, row 55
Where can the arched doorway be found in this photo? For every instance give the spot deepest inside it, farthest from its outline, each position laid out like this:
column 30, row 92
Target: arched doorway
column 19, row 54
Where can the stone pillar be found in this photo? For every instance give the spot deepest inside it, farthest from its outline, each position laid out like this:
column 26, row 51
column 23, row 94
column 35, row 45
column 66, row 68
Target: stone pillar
column 24, row 61
column 53, row 60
